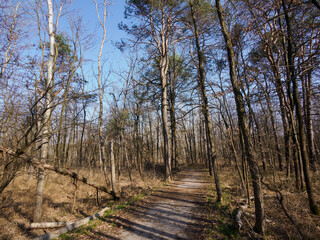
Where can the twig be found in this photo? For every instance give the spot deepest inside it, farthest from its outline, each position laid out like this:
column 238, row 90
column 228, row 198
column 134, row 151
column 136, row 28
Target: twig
column 280, row 198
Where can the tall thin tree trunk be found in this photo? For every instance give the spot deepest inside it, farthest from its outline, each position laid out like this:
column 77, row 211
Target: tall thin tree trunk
column 115, row 188
column 151, row 138
column 46, row 116
column 232, row 146
column 281, row 97
column 292, row 129
column 205, row 105
column 273, row 123
column 100, row 117
column 173, row 114
column 259, row 133
column 84, row 117
column 307, row 86
column 302, row 138
column 244, row 127
column 164, row 114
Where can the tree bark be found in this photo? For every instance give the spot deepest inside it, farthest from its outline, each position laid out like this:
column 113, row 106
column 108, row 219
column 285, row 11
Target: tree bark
column 244, row 127
column 115, row 188
column 173, row 113
column 205, row 106
column 164, row 115
column 283, row 110
column 100, row 132
column 302, row 138
column 46, row 116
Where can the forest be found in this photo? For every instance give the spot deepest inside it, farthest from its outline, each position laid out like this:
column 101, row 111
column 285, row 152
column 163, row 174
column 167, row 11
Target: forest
column 228, row 87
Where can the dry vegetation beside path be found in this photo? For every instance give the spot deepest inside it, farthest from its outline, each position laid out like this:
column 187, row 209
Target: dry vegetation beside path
column 17, row 201
column 222, row 215
column 209, row 219
column 171, row 211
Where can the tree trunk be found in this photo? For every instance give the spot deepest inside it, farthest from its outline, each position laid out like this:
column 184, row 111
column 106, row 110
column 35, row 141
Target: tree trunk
column 101, row 146
column 307, row 93
column 151, row 138
column 302, row 138
column 164, row 114
column 232, row 146
column 46, row 116
column 173, row 115
column 281, row 97
column 244, row 127
column 115, row 188
column 81, row 155
column 205, row 105
column 273, row 124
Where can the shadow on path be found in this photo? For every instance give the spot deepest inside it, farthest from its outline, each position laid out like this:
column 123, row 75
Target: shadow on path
column 169, row 213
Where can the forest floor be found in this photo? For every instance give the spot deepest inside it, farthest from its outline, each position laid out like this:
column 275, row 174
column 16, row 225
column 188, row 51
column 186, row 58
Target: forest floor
column 170, row 212
column 152, row 209
column 186, row 209
column 18, row 199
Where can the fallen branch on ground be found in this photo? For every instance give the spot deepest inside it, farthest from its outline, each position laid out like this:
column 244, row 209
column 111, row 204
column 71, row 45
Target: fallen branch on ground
column 71, row 226
column 240, row 211
column 253, row 216
column 280, row 198
column 270, row 196
column 238, row 218
column 48, row 224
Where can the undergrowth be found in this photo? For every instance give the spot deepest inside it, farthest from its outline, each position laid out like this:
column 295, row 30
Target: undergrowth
column 222, row 225
column 90, row 226
column 278, row 225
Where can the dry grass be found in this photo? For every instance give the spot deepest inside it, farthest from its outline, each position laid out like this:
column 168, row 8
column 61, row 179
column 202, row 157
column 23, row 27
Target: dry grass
column 278, row 225
column 17, row 204
column 17, row 201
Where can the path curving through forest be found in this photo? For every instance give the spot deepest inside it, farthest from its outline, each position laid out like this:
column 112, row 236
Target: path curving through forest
column 168, row 213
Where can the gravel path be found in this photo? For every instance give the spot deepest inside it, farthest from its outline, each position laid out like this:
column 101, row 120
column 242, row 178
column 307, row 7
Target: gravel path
column 171, row 213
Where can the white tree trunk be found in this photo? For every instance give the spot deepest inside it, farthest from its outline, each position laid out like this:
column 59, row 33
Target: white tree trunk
column 114, row 183
column 46, row 116
column 100, row 138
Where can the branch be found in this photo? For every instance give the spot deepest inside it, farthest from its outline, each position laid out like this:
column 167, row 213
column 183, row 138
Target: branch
column 48, row 224
column 72, row 226
column 68, row 173
column 315, row 2
column 280, row 198
column 61, row 171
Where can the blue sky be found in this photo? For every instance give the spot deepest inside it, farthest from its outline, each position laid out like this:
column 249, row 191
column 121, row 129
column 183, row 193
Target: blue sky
column 112, row 56
column 115, row 16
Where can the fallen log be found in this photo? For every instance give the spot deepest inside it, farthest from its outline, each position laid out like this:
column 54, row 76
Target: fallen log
column 71, row 226
column 48, row 224
column 270, row 196
column 238, row 218
column 253, row 216
column 240, row 211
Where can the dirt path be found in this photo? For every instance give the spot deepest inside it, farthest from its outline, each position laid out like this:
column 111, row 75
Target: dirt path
column 169, row 213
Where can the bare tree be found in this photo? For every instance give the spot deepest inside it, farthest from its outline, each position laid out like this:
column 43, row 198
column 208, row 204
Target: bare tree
column 299, row 116
column 102, row 22
column 243, row 125
column 47, row 105
column 158, row 21
column 205, row 106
